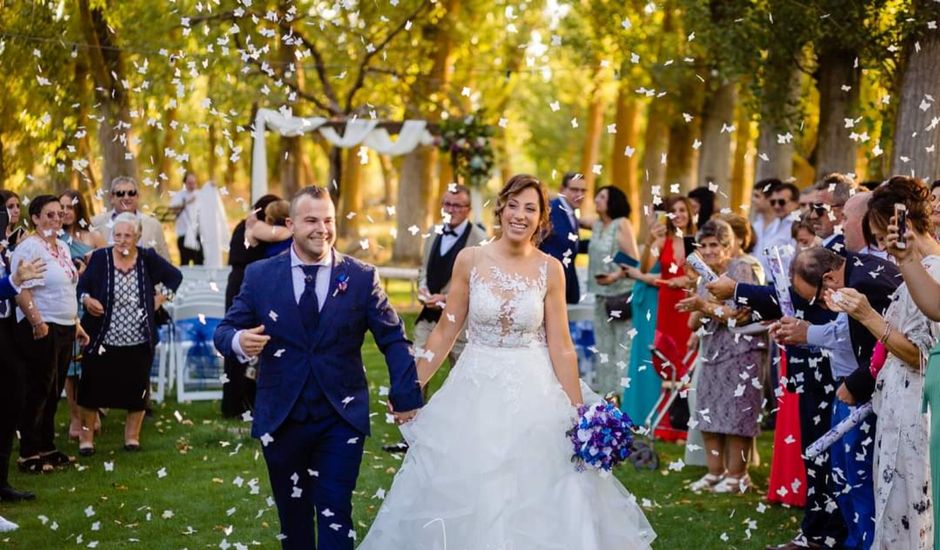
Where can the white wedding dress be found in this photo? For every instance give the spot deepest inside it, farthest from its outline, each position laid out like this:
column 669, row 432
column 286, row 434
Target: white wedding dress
column 489, row 465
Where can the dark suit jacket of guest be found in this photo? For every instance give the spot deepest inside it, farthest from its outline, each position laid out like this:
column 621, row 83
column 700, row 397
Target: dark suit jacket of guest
column 98, row 282
column 332, row 352
column 558, row 243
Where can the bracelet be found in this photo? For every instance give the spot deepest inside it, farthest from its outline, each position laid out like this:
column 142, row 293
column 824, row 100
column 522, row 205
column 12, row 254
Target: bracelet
column 887, row 333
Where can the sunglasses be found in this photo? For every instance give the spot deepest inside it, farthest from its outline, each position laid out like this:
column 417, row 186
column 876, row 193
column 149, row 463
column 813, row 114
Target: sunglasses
column 122, row 194
column 778, row 202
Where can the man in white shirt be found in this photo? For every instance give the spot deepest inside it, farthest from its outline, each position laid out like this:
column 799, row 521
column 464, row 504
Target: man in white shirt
column 125, row 196
column 784, row 200
column 186, row 207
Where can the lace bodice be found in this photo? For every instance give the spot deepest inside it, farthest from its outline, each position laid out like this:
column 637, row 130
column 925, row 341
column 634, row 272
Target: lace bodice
column 506, row 309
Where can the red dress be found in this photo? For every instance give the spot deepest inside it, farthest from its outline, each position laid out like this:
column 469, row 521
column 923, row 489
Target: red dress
column 787, row 483
column 672, row 330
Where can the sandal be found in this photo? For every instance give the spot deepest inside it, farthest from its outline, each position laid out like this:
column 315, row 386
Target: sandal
column 57, row 459
column 35, row 465
column 737, row 485
column 706, row 483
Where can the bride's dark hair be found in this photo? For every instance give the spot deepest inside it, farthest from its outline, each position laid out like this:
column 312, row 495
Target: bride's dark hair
column 516, row 185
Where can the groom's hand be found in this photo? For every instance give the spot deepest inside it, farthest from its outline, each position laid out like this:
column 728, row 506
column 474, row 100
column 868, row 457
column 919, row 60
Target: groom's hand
column 253, row 340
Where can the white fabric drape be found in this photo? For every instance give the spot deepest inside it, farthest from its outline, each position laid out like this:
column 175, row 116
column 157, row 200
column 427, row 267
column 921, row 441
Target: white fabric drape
column 358, row 132
column 212, row 225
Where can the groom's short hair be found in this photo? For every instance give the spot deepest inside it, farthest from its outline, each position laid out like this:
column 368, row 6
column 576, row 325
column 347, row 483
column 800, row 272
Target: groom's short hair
column 313, row 191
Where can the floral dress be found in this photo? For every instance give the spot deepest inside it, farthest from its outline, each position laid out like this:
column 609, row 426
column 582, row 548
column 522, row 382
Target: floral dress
column 903, row 507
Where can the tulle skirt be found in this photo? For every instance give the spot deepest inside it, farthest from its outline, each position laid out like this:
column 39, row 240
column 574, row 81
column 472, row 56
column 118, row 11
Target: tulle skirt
column 489, row 468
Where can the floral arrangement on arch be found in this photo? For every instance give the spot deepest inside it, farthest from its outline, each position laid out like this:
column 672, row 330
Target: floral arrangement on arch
column 467, row 139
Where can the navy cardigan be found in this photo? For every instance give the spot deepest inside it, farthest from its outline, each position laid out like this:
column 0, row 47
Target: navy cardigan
column 98, row 282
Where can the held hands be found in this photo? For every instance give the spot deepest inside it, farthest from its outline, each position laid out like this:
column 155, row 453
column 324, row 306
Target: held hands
column 253, row 340
column 722, row 289
column 29, row 271
column 401, row 417
column 850, row 301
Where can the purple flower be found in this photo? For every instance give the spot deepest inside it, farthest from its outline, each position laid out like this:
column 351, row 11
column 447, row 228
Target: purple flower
column 601, row 438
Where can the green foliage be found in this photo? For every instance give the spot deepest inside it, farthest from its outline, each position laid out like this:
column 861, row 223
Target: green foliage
column 467, row 141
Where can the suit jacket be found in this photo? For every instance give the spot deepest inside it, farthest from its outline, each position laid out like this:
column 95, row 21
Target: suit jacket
column 877, row 279
column 477, row 236
column 6, row 289
column 151, row 232
column 333, row 352
column 558, row 243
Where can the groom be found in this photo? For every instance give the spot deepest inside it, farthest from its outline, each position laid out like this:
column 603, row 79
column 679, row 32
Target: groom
column 302, row 316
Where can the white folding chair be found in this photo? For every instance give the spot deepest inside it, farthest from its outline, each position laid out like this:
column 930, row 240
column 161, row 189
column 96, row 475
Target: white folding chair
column 199, row 311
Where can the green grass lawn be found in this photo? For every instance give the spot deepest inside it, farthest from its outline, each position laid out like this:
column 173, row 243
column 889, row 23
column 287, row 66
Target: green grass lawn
column 200, row 482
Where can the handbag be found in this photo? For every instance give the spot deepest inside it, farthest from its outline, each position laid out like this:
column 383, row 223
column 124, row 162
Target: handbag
column 621, row 303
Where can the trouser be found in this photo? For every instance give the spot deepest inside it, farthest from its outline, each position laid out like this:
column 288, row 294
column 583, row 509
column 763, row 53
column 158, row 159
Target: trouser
column 821, row 517
column 46, row 363
column 11, row 394
column 851, row 459
column 313, row 466
column 188, row 255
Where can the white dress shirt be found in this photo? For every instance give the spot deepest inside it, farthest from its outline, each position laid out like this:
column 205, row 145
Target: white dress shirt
column 448, row 241
column 188, row 213
column 299, row 284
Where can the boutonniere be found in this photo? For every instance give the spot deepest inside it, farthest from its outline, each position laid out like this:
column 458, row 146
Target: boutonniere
column 342, row 283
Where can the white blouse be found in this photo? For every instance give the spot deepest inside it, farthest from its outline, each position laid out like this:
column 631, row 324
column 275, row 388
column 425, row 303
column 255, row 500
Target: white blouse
column 54, row 295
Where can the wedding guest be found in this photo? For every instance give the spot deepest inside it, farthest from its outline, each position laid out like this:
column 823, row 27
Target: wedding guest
column 827, row 213
column 267, row 234
column 903, row 505
column 563, row 242
column 12, row 371
column 15, row 231
column 784, row 199
column 238, row 391
column 702, row 201
column 729, row 391
column 124, row 196
column 641, row 394
column 612, row 288
column 935, row 204
column 46, row 328
column 803, row 235
column 185, row 205
column 118, row 290
column 924, row 290
column 668, row 240
column 81, row 239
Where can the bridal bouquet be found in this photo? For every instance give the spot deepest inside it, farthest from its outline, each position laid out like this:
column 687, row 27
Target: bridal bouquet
column 602, row 436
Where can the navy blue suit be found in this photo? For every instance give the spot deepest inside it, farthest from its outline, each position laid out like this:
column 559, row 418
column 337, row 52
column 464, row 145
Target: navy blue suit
column 558, row 243
column 6, row 289
column 312, row 406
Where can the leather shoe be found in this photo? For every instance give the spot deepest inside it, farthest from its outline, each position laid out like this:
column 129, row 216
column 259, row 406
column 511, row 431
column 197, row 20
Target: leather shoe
column 400, row 447
column 9, row 494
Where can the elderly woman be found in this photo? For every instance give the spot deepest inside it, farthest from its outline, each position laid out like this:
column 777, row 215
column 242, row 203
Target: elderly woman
column 118, row 291
column 46, row 328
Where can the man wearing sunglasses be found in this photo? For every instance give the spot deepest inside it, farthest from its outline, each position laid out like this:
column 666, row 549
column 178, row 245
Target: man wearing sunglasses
column 124, row 196
column 783, row 197
column 826, row 213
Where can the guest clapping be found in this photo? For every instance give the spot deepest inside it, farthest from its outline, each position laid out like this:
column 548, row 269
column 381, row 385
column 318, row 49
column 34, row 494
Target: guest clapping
column 118, row 290
column 46, row 328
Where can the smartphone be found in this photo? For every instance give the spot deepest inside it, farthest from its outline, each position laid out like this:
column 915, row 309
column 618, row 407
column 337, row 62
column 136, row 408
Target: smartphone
column 900, row 216
column 626, row 260
column 661, row 217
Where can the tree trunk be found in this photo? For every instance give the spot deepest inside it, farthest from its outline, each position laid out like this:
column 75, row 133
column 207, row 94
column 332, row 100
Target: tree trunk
column 714, row 161
column 916, row 137
column 655, row 143
column 623, row 167
column 389, row 179
column 680, row 167
column 107, row 70
column 290, row 165
column 352, row 195
column 775, row 120
column 835, row 151
column 412, row 190
column 590, row 151
column 742, row 180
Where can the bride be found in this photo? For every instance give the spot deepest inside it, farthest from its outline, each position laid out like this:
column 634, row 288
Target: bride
column 488, row 466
